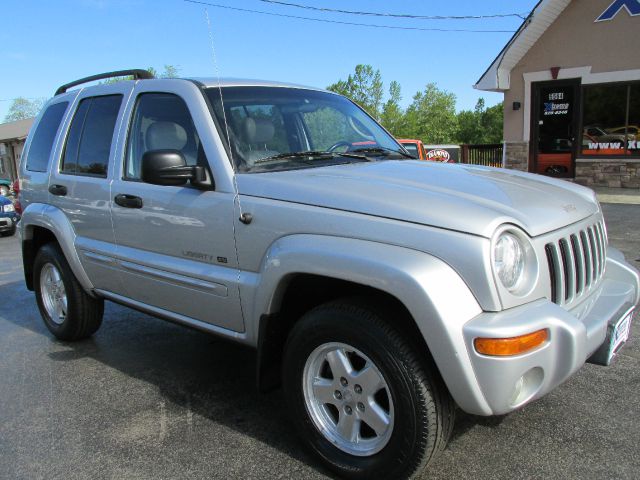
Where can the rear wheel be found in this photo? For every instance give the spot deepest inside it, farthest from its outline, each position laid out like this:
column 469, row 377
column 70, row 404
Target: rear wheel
column 361, row 397
column 68, row 312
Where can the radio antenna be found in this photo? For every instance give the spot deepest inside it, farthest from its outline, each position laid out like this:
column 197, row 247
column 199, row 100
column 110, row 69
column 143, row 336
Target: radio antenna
column 244, row 217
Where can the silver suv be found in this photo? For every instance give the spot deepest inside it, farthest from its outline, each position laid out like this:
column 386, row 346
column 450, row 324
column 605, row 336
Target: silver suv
column 380, row 292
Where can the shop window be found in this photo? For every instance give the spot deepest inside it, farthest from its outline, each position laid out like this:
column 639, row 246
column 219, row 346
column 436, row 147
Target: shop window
column 610, row 120
column 633, row 125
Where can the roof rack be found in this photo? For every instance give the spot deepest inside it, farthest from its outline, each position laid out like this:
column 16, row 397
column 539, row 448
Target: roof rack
column 137, row 74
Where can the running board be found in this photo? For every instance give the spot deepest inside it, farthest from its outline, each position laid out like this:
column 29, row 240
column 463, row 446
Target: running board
column 172, row 317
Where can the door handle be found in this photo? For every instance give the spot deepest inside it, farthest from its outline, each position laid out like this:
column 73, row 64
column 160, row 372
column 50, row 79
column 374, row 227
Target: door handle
column 128, row 201
column 59, row 190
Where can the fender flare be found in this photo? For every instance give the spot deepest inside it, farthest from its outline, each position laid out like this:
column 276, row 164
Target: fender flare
column 433, row 293
column 53, row 219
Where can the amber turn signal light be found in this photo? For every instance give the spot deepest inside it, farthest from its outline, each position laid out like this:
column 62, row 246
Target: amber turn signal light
column 504, row 347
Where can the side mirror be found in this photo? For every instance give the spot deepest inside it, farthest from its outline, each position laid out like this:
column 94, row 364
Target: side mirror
column 168, row 167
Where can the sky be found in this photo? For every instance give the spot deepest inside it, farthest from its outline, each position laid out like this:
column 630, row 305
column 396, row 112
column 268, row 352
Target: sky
column 44, row 44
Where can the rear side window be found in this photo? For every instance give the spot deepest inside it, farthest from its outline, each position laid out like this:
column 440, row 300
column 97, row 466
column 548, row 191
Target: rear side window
column 89, row 141
column 412, row 148
column 45, row 134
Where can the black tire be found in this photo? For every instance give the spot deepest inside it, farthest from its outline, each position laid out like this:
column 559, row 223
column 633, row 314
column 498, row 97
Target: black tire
column 423, row 409
column 83, row 314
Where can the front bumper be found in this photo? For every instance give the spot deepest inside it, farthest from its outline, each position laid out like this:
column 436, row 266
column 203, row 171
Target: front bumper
column 8, row 222
column 508, row 383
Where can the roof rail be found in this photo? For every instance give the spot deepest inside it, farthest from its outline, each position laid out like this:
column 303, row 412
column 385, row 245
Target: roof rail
column 138, row 74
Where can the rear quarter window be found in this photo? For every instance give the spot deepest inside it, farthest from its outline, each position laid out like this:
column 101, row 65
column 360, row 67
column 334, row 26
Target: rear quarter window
column 89, row 141
column 44, row 136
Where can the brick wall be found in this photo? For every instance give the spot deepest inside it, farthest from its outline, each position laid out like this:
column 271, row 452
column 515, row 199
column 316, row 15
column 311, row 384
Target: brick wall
column 608, row 173
column 517, row 155
column 593, row 173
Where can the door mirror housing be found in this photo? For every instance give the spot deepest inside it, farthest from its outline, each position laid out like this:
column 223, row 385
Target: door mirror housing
column 169, row 167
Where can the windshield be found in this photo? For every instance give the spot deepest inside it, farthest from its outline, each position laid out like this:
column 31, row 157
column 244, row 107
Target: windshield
column 278, row 128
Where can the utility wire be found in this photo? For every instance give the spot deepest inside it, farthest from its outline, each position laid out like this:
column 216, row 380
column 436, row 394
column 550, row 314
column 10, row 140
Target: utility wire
column 215, row 5
column 522, row 16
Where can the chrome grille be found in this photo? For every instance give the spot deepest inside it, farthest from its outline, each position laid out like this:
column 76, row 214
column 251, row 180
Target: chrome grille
column 576, row 263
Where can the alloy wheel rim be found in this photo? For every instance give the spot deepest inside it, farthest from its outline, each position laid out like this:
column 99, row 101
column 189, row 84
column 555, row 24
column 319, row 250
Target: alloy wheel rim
column 54, row 295
column 348, row 399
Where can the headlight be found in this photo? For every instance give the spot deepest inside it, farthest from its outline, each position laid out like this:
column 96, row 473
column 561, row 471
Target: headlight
column 9, row 208
column 508, row 260
column 514, row 260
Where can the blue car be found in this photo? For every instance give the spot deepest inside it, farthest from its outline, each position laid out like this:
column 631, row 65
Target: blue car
column 8, row 217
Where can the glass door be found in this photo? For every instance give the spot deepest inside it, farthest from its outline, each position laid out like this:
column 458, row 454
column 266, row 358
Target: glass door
column 555, row 120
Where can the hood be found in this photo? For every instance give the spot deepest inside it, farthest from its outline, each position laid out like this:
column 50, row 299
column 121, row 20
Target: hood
column 464, row 198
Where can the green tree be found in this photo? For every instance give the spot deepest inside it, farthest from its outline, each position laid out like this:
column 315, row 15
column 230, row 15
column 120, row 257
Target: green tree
column 431, row 117
column 23, row 108
column 364, row 87
column 170, row 71
column 392, row 117
column 468, row 127
column 482, row 125
column 493, row 123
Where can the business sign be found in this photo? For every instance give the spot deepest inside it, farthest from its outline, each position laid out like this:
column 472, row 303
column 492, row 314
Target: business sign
column 443, row 153
column 631, row 6
column 556, row 104
column 438, row 155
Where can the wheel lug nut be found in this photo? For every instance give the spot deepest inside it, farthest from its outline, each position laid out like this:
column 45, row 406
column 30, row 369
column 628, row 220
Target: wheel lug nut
column 338, row 395
column 348, row 410
column 361, row 406
column 358, row 389
column 343, row 382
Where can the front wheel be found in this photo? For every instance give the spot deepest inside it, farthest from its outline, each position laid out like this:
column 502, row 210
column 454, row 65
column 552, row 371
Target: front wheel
column 360, row 395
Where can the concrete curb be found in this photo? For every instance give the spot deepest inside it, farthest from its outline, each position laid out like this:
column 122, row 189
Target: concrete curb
column 618, row 195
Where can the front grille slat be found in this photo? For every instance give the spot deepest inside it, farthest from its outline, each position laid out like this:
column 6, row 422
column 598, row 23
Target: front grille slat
column 576, row 263
column 558, row 285
column 552, row 263
column 588, row 259
column 568, row 269
column 596, row 243
column 601, row 244
column 578, row 260
column 594, row 253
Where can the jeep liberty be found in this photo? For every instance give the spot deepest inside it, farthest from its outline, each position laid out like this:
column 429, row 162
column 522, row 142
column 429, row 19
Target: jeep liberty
column 380, row 292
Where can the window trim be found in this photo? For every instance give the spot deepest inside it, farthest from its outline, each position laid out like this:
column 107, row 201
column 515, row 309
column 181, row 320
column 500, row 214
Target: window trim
column 68, row 131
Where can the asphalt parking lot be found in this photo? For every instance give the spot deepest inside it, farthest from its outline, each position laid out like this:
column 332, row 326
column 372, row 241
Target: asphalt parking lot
column 147, row 399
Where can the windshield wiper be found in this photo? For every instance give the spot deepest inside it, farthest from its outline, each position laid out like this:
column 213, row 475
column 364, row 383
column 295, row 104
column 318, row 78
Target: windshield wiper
column 384, row 151
column 310, row 153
